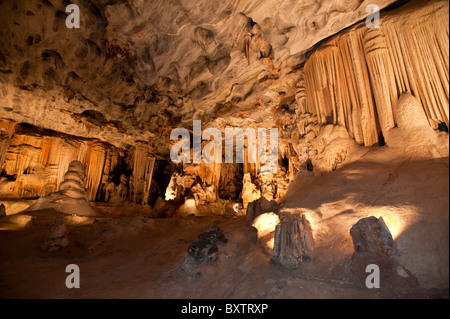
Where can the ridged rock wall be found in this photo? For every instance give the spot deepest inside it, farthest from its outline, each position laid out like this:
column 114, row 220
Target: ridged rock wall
column 37, row 163
column 356, row 78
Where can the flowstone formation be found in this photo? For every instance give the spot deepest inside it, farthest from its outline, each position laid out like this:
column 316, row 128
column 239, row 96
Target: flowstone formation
column 71, row 198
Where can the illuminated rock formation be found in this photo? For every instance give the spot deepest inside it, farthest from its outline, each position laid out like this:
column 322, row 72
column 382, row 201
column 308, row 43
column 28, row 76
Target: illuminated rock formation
column 72, row 198
column 355, row 78
column 294, row 241
column 372, row 235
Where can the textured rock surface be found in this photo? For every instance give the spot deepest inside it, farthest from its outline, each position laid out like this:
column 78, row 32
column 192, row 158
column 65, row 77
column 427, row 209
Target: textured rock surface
column 260, row 206
column 205, row 249
column 58, row 237
column 294, row 241
column 133, row 68
column 355, row 78
column 371, row 235
column 109, row 93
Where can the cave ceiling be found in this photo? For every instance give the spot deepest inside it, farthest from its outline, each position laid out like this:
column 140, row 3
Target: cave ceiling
column 136, row 69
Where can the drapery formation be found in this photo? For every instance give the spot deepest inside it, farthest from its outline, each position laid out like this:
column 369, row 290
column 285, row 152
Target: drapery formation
column 355, row 78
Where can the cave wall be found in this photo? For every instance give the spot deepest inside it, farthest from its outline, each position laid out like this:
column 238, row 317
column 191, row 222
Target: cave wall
column 33, row 161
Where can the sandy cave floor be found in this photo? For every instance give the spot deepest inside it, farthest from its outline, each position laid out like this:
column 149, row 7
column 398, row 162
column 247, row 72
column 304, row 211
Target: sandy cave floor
column 132, row 256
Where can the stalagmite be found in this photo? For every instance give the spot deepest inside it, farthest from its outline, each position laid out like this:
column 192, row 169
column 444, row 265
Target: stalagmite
column 72, row 198
column 249, row 191
column 39, row 162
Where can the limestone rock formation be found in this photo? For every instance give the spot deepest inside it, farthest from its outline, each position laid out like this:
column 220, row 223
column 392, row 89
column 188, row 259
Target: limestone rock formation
column 72, row 197
column 260, row 206
column 371, row 235
column 58, row 237
column 373, row 244
column 250, row 192
column 294, row 241
column 413, row 132
column 91, row 116
column 355, row 78
column 265, row 224
column 205, row 249
column 38, row 160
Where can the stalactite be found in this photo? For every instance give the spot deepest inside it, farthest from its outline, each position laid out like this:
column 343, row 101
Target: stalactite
column 355, row 78
column 95, row 162
column 142, row 173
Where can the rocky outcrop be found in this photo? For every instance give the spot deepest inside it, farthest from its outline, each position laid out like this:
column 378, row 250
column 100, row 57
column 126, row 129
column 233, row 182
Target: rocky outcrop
column 260, row 206
column 372, row 235
column 205, row 249
column 355, row 78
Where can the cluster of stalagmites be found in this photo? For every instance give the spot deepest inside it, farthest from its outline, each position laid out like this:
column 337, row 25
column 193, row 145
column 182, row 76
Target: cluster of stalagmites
column 228, row 193
column 71, row 198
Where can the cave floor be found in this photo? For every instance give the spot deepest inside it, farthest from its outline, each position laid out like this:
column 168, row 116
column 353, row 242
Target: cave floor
column 133, row 256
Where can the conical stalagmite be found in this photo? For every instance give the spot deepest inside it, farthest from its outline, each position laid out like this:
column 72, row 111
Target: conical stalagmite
column 72, row 198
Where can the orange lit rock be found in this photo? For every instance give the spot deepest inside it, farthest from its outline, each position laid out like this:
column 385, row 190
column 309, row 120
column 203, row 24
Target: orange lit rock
column 58, row 238
column 72, row 199
column 293, row 241
column 372, row 235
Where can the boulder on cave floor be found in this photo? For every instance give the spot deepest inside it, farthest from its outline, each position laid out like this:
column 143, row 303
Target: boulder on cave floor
column 371, row 235
column 204, row 250
column 293, row 242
